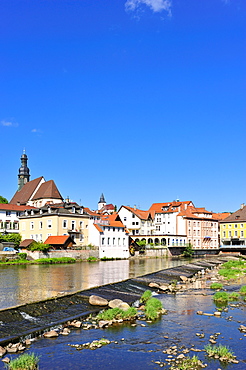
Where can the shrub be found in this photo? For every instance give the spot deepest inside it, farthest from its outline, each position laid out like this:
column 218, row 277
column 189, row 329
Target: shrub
column 22, row 256
column 145, row 296
column 38, row 246
column 221, row 297
column 187, row 363
column 188, row 252
column 24, row 362
column 216, row 286
column 230, row 273
column 243, row 290
column 116, row 314
column 222, row 351
column 153, row 308
column 12, row 238
column 56, row 260
column 233, row 296
column 92, row 259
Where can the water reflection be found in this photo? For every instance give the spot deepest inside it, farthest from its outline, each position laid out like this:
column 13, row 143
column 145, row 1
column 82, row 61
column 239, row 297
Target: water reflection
column 29, row 283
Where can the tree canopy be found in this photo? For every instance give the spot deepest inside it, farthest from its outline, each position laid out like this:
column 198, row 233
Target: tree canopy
column 3, row 200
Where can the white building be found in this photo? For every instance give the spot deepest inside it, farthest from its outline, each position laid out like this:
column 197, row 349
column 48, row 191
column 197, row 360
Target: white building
column 137, row 221
column 9, row 217
column 109, row 234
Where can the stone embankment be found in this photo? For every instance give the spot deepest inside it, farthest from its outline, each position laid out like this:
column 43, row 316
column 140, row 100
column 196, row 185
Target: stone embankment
column 18, row 325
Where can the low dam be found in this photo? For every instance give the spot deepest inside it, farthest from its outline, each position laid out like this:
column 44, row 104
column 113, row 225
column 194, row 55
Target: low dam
column 32, row 319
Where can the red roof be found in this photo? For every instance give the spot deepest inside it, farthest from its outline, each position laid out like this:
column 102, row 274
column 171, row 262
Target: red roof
column 13, row 207
column 22, row 196
column 143, row 215
column 26, row 242
column 48, row 190
column 60, row 239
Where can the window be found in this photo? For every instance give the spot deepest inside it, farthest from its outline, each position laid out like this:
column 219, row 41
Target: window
column 113, row 228
column 123, row 241
column 16, row 226
column 198, row 232
column 235, row 226
column 133, row 223
column 194, row 223
column 133, row 216
column 224, row 234
column 64, row 224
column 40, row 224
column 31, row 225
column 230, row 225
column 158, row 219
column 242, row 234
column 242, row 225
column 235, row 233
column 137, row 223
column 229, row 233
column 49, row 224
column 81, row 224
column 158, row 228
column 8, row 213
column 124, row 218
column 198, row 223
column 108, row 241
column 113, row 241
column 118, row 241
column 103, row 241
column 81, row 237
column 40, row 237
column 73, row 225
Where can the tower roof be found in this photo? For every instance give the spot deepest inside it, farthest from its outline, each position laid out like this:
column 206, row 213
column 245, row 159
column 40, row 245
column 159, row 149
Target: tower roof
column 102, row 199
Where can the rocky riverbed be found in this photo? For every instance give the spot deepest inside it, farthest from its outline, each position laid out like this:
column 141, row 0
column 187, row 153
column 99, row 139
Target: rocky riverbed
column 192, row 322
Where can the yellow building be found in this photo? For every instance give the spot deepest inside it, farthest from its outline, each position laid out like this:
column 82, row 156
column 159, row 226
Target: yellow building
column 233, row 228
column 55, row 219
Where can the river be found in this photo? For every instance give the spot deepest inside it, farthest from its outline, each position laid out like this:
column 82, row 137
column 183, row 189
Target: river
column 20, row 284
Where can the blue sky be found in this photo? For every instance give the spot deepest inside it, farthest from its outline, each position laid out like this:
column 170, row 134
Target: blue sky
column 143, row 100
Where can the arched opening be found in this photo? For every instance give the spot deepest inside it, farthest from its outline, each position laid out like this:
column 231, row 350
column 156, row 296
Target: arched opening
column 163, row 241
column 157, row 241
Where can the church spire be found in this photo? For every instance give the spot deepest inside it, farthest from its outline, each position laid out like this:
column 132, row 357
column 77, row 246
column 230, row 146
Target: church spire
column 23, row 176
column 102, row 202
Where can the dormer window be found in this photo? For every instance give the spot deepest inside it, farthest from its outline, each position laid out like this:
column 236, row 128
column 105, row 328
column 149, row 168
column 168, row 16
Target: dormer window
column 32, row 212
column 49, row 210
column 73, row 209
column 81, row 211
column 41, row 211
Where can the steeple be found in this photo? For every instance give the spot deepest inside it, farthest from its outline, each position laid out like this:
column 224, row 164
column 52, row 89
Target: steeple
column 23, row 176
column 102, row 202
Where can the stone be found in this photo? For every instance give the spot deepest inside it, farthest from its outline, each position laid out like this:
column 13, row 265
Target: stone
column 103, row 323
column 183, row 278
column 124, row 306
column 51, row 334
column 115, row 303
column 95, row 300
column 164, row 287
column 217, row 313
column 6, row 360
column 199, row 312
column 2, row 351
column 65, row 331
column 154, row 285
column 77, row 324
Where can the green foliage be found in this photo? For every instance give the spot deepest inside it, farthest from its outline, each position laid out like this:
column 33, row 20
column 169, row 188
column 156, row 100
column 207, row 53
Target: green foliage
column 56, row 260
column 216, row 286
column 145, row 296
column 234, row 264
column 21, row 256
column 3, row 200
column 188, row 252
column 153, row 308
column 221, row 297
column 230, row 273
column 243, row 290
column 116, row 314
column 222, row 351
column 92, row 259
column 39, row 246
column 141, row 243
column 188, row 363
column 233, row 296
column 12, row 238
column 107, row 259
column 24, row 362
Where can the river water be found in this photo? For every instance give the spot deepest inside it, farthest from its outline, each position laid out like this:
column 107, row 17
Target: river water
column 20, row 284
column 132, row 347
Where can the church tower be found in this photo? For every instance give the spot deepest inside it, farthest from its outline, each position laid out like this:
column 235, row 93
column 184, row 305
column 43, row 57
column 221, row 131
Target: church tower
column 23, row 176
column 101, row 202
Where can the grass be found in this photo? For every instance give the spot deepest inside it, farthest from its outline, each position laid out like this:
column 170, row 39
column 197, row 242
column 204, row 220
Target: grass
column 233, row 269
column 221, row 297
column 233, row 296
column 243, row 290
column 216, row 286
column 223, row 352
column 145, row 296
column 153, row 308
column 24, row 362
column 40, row 261
column 117, row 314
column 188, row 363
column 92, row 259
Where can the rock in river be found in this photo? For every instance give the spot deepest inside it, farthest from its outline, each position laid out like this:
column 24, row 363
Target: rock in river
column 95, row 300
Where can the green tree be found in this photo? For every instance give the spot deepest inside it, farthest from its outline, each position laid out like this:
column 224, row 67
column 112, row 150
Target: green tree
column 12, row 237
column 3, row 200
column 39, row 246
column 188, row 252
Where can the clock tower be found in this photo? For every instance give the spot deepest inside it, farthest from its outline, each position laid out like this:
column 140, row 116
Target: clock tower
column 23, row 176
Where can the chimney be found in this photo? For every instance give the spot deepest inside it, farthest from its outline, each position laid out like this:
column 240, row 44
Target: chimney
column 242, row 205
column 135, row 207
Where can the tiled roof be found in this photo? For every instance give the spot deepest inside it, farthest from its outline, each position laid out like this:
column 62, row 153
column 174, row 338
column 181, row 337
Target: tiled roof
column 60, row 239
column 14, row 207
column 26, row 242
column 143, row 215
column 193, row 212
column 158, row 207
column 221, row 216
column 98, row 228
column 48, row 190
column 238, row 216
column 22, row 196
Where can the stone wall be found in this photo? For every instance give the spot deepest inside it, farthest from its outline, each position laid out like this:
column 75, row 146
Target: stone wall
column 77, row 254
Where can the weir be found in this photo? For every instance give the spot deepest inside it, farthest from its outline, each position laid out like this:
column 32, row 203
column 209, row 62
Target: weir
column 30, row 320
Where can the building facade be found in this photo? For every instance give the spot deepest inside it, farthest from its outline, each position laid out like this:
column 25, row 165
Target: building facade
column 233, row 228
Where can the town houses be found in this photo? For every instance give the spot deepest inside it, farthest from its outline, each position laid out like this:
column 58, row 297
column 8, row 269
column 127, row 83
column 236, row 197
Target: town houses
column 39, row 213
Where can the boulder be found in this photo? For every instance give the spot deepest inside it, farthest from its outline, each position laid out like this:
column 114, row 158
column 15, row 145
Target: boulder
column 65, row 331
column 115, row 303
column 124, row 306
column 95, row 300
column 51, row 334
column 2, row 351
column 164, row 287
column 154, row 285
column 6, row 360
column 183, row 278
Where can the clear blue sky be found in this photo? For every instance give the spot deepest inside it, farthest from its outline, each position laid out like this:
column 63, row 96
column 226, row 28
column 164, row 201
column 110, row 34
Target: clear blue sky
column 143, row 100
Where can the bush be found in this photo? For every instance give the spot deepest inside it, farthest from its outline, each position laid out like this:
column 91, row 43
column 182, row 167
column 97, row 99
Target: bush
column 117, row 314
column 230, row 273
column 12, row 238
column 221, row 297
column 216, row 286
column 38, row 246
column 188, row 252
column 243, row 290
column 56, row 260
column 153, row 308
column 233, row 296
column 24, row 362
column 222, row 351
column 92, row 259
column 145, row 296
column 22, row 256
